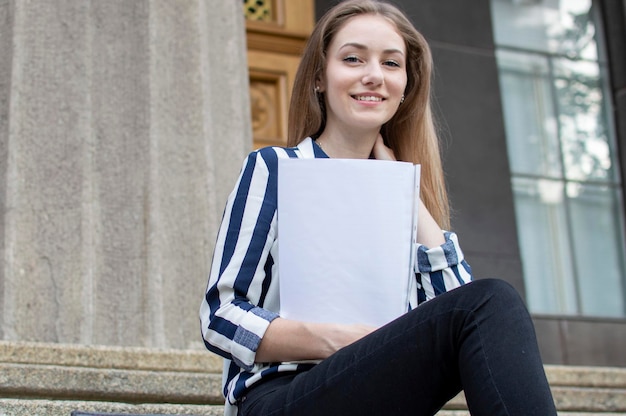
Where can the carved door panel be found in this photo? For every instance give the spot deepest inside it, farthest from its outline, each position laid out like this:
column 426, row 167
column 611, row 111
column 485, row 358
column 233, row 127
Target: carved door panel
column 276, row 32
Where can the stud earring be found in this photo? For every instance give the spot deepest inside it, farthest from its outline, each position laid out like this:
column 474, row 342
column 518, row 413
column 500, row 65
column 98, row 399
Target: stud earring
column 317, row 89
column 402, row 99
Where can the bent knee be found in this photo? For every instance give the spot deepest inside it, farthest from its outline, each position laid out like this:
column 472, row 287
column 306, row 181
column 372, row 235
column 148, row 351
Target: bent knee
column 498, row 289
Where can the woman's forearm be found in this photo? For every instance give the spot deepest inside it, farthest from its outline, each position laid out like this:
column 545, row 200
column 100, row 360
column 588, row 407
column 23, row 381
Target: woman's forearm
column 287, row 340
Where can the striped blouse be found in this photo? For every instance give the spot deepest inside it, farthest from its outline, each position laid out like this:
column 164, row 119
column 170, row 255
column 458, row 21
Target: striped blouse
column 242, row 294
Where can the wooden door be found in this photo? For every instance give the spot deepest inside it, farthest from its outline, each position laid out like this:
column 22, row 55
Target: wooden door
column 276, row 32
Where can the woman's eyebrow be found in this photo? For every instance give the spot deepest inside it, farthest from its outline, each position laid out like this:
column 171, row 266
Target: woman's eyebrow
column 364, row 47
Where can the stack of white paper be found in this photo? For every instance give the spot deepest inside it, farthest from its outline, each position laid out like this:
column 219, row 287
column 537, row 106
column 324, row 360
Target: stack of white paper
column 346, row 231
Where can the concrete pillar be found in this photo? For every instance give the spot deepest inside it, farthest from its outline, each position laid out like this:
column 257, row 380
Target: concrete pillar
column 123, row 125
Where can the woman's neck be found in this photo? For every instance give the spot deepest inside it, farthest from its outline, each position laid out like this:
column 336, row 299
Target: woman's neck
column 357, row 145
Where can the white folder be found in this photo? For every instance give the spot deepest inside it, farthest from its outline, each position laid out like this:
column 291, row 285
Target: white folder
column 346, row 239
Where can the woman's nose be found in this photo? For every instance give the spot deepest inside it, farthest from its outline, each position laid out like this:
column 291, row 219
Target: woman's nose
column 373, row 75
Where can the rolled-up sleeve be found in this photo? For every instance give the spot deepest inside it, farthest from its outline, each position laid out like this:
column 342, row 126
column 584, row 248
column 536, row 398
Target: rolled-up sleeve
column 233, row 324
column 440, row 269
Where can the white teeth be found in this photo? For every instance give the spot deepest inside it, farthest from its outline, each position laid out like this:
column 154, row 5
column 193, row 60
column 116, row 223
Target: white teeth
column 367, row 98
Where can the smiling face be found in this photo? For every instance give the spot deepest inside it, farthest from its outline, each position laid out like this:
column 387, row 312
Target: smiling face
column 365, row 74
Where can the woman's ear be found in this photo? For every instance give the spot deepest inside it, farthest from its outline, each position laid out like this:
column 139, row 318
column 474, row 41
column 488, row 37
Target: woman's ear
column 319, row 85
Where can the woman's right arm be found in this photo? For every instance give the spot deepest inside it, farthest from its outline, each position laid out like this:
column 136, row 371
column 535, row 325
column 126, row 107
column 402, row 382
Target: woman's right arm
column 233, row 325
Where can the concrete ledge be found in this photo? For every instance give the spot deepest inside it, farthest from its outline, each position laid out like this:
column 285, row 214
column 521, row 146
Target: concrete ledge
column 133, row 386
column 43, row 408
column 97, row 356
column 588, row 389
column 573, row 399
column 579, row 376
column 53, row 379
column 129, row 375
column 14, row 407
column 560, row 413
column 600, row 400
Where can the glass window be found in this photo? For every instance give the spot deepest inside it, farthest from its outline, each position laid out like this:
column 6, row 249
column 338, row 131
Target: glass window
column 560, row 138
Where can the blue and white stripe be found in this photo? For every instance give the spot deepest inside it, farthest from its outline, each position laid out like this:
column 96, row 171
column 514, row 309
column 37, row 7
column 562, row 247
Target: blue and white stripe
column 440, row 269
column 242, row 294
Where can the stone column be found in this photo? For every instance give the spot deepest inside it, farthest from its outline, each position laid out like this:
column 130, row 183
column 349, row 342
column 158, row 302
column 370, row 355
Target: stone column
column 123, row 125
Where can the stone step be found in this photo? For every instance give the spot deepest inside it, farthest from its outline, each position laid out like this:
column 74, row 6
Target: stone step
column 580, row 376
column 63, row 382
column 17, row 407
column 559, row 412
column 134, row 375
column 53, row 379
column 37, row 407
column 569, row 400
column 574, row 399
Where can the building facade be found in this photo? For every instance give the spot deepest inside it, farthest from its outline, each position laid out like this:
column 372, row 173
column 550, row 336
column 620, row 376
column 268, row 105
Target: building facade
column 537, row 192
column 529, row 95
column 123, row 126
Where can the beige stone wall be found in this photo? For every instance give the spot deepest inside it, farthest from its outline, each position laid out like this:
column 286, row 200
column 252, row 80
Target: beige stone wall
column 123, row 125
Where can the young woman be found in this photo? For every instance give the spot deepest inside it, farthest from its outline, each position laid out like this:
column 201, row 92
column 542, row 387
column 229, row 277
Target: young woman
column 362, row 91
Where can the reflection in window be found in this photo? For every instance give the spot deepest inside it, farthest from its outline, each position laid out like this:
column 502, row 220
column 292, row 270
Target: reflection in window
column 560, row 138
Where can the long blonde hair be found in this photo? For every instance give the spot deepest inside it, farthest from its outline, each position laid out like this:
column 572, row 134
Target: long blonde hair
column 411, row 131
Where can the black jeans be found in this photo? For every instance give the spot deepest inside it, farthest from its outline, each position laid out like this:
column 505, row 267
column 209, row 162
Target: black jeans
column 478, row 338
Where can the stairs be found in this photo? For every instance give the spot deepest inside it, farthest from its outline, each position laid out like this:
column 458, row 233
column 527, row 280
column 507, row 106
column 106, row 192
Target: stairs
column 577, row 391
column 52, row 379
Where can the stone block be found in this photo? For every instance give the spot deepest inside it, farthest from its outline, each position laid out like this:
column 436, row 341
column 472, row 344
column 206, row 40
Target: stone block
column 17, row 407
column 122, row 129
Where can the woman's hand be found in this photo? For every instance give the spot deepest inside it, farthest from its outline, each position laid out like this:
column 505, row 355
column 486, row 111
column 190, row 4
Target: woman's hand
column 287, row 340
column 381, row 151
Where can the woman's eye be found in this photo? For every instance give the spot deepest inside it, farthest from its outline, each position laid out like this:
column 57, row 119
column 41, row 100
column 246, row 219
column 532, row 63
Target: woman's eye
column 351, row 59
column 392, row 63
